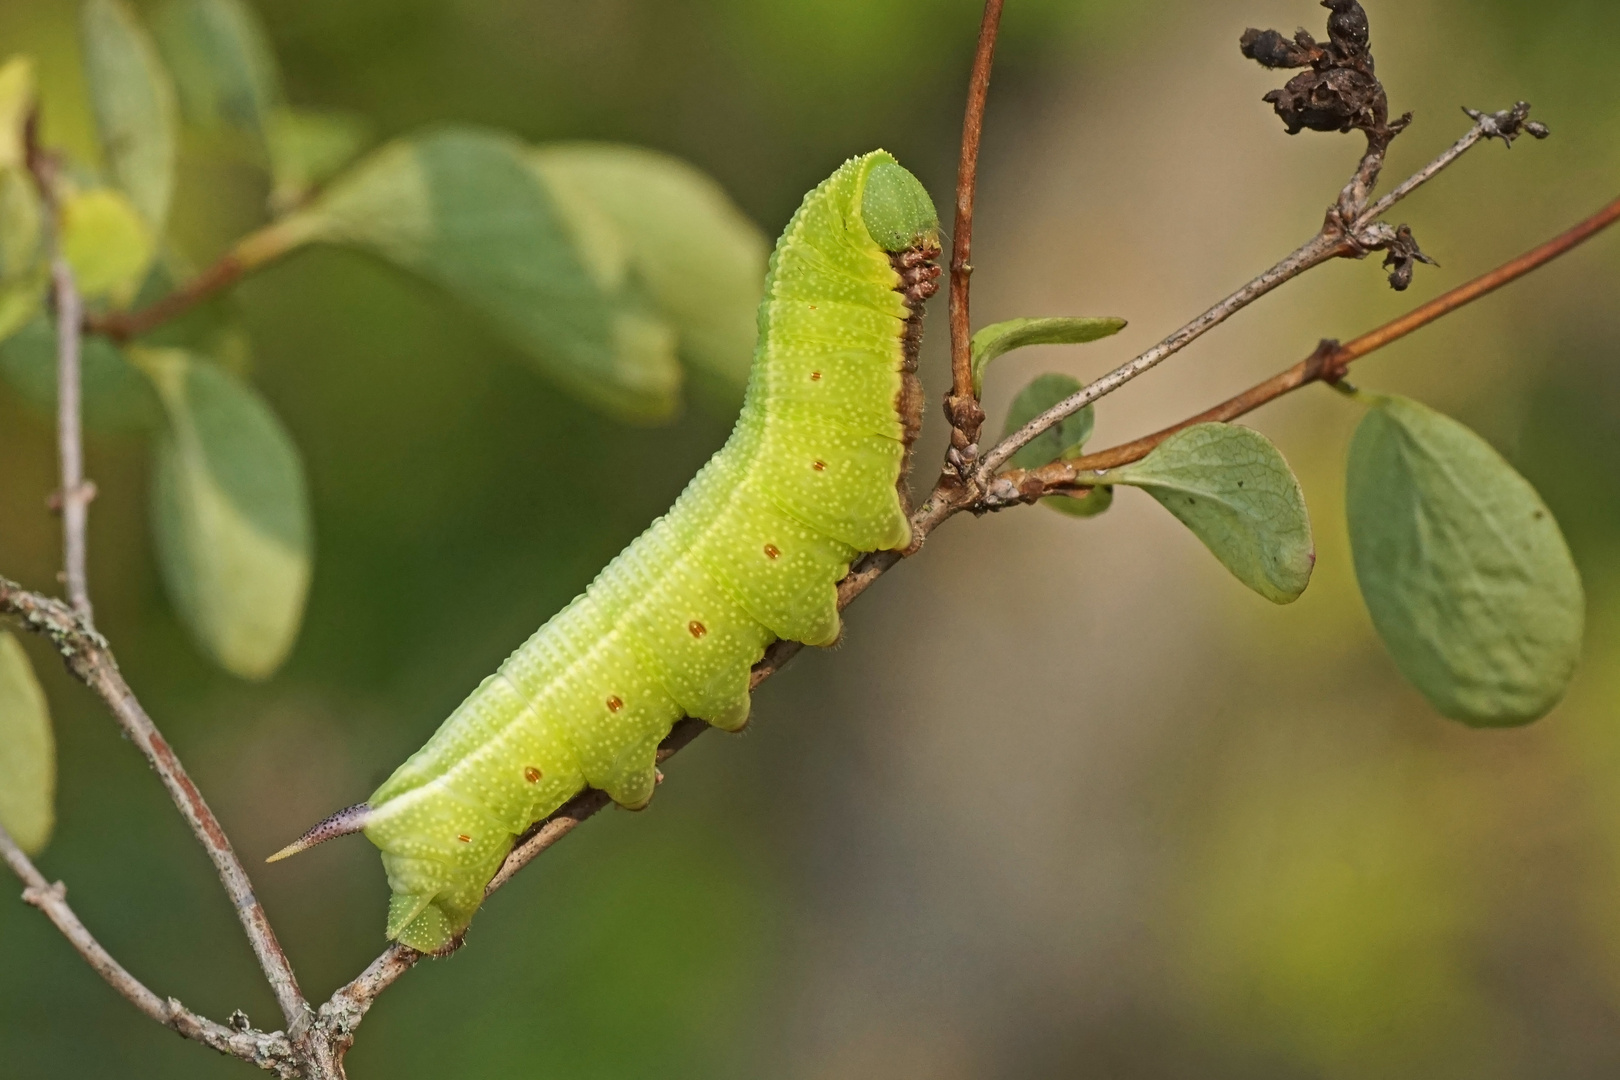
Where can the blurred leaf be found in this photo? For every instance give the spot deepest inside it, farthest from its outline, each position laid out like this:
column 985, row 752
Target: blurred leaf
column 465, row 210
column 230, row 514
column 1232, row 488
column 23, row 273
column 223, row 67
column 1464, row 570
column 308, row 147
column 116, row 395
column 678, row 232
column 1003, row 337
column 17, row 92
column 19, row 225
column 27, row 751
column 134, row 105
column 106, row 241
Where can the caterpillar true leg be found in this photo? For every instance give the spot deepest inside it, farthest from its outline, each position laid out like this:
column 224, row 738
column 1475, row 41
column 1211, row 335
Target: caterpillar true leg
column 812, row 476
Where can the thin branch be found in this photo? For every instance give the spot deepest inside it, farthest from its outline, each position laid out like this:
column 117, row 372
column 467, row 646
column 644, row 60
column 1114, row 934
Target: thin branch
column 72, row 499
column 76, row 493
column 268, row 1050
column 962, row 406
column 1326, row 364
column 1363, row 234
column 87, row 656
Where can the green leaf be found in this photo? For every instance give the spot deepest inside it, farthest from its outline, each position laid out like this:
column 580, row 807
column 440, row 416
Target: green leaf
column 108, row 244
column 134, row 105
column 17, row 97
column 1003, row 337
column 1064, row 439
column 1232, row 488
column 308, row 147
column 23, row 272
column 1090, row 504
column 1464, row 570
column 27, row 751
column 223, row 68
column 676, row 231
column 230, row 514
column 466, row 210
column 117, row 396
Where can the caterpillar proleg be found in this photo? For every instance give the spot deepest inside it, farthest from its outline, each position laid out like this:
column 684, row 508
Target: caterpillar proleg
column 751, row 552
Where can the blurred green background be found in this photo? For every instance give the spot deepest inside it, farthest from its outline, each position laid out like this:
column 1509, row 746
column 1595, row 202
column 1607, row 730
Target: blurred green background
column 1100, row 813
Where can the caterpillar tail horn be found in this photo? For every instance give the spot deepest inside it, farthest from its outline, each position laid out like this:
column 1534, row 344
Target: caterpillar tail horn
column 342, row 823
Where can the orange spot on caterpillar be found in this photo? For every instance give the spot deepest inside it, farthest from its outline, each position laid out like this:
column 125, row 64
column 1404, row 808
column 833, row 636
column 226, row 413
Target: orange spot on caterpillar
column 819, row 465
column 532, row 775
column 772, row 551
column 815, row 376
column 464, row 838
column 614, row 704
column 696, row 628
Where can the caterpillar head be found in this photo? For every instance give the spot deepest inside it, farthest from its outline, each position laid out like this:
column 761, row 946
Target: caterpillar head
column 896, row 208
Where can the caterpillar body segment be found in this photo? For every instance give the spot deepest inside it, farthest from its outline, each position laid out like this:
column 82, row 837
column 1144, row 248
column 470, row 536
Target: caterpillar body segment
column 751, row 552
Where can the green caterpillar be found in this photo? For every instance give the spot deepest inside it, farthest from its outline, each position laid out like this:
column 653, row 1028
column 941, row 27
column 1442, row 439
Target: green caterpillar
column 812, row 476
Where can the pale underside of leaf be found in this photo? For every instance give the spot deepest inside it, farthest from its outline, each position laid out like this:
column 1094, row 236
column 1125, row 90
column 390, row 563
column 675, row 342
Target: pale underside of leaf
column 1233, row 489
column 701, row 260
column 1464, row 570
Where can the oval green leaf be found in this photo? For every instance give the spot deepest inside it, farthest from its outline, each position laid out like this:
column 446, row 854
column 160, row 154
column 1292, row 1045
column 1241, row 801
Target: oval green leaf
column 1000, row 338
column 224, row 69
column 1466, row 575
column 116, row 395
column 1066, row 439
column 675, row 231
column 230, row 514
column 466, row 210
column 17, row 95
column 133, row 101
column 1234, row 490
column 27, row 751
column 23, row 272
column 107, row 242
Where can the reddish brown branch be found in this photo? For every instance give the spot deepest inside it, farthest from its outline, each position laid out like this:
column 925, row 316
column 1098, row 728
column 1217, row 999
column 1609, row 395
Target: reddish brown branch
column 1326, row 364
column 123, row 326
column 962, row 406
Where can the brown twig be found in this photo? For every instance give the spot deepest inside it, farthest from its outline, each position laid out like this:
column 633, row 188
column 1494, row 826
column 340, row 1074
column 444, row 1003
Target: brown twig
column 269, row 1050
column 1337, row 239
column 252, row 252
column 87, row 656
column 962, row 404
column 1326, row 364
